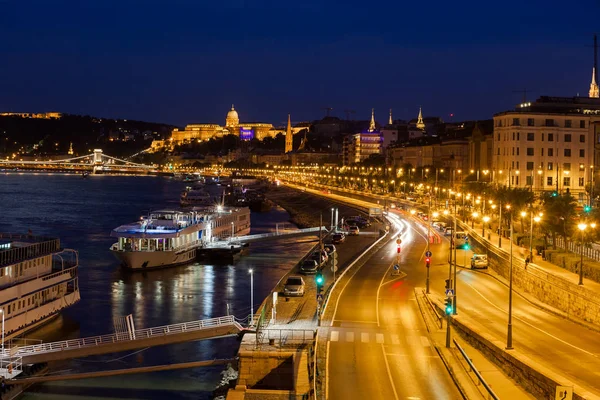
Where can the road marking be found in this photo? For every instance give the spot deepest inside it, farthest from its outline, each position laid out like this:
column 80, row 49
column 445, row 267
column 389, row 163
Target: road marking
column 409, row 355
column 395, row 339
column 533, row 326
column 387, row 366
column 425, row 341
column 335, row 336
column 356, row 322
column 349, row 336
column 379, row 337
column 364, row 337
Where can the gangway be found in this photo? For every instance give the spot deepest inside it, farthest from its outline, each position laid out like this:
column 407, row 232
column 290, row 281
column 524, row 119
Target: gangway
column 280, row 234
column 124, row 341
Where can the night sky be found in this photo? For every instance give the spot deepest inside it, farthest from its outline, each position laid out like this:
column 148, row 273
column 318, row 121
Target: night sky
column 183, row 61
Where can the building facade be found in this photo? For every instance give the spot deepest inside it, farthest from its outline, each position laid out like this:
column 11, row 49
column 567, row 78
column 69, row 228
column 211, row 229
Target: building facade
column 548, row 145
column 233, row 126
column 360, row 146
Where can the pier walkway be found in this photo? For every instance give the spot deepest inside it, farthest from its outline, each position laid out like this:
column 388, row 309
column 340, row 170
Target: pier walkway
column 281, row 234
column 124, row 341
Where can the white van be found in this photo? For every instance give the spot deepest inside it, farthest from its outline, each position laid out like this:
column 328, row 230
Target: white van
column 460, row 239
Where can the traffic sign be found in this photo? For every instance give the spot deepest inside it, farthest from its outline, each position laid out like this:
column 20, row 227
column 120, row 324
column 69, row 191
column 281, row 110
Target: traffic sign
column 398, row 241
column 396, row 267
column 320, row 298
column 449, row 292
column 427, row 253
column 564, row 393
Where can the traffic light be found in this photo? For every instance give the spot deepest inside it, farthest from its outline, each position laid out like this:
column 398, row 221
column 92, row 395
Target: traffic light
column 554, row 194
column 319, row 279
column 467, row 246
column 587, row 208
column 448, row 305
column 427, row 260
column 448, row 284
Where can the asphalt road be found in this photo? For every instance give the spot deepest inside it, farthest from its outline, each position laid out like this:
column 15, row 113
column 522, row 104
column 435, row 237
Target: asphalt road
column 358, row 368
column 378, row 343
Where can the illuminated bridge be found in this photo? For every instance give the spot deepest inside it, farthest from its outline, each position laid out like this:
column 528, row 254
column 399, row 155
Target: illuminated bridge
column 96, row 162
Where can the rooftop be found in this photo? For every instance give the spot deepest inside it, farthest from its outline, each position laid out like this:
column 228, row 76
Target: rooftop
column 558, row 105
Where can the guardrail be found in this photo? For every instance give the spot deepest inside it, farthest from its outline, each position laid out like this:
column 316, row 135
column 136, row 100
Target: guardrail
column 283, row 337
column 574, row 246
column 487, row 387
column 122, row 336
column 439, row 317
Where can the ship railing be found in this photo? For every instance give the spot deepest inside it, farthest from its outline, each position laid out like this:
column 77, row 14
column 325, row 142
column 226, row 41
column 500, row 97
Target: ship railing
column 33, row 250
column 189, row 245
column 69, row 271
column 122, row 336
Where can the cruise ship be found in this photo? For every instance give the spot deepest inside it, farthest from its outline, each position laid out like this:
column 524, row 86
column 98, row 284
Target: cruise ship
column 195, row 196
column 171, row 237
column 37, row 280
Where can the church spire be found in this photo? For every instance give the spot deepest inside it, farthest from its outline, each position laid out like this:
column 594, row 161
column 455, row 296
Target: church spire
column 289, row 138
column 594, row 92
column 372, row 124
column 420, row 123
column 391, row 121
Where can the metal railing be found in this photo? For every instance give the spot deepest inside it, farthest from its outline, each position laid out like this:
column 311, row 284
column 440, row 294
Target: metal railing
column 439, row 317
column 38, row 246
column 286, row 337
column 123, row 336
column 574, row 246
column 491, row 394
column 277, row 234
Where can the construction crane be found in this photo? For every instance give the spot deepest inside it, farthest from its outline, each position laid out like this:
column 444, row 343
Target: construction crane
column 348, row 112
column 328, row 110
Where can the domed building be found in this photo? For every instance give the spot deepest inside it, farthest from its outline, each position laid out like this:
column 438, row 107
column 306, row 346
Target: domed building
column 232, row 119
column 245, row 131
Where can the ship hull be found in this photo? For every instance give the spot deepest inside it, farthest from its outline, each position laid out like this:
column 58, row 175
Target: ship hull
column 144, row 260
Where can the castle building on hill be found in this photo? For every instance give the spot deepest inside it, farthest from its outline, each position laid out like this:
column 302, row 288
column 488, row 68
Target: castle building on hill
column 233, row 126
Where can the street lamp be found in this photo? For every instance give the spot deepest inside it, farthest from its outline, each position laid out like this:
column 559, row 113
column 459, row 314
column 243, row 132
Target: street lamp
column 582, row 227
column 486, row 219
column 251, row 295
column 475, row 214
column 2, row 312
column 533, row 219
column 509, row 345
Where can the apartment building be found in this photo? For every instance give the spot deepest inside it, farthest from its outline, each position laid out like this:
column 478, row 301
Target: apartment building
column 548, row 145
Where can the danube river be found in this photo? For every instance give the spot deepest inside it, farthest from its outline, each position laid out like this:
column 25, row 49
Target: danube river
column 82, row 212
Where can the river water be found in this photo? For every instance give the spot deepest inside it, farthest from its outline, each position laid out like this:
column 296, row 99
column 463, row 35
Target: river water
column 82, row 212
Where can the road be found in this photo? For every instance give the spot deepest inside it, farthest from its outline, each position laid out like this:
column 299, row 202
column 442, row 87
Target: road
column 565, row 347
column 378, row 343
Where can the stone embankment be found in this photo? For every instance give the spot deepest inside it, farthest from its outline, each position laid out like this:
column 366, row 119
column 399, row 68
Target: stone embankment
column 305, row 209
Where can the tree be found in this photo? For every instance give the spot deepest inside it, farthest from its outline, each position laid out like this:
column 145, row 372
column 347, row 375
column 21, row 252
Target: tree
column 559, row 216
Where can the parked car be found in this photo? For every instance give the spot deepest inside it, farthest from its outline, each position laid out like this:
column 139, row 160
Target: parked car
column 338, row 238
column 319, row 256
column 309, row 267
column 294, row 286
column 353, row 230
column 329, row 248
column 479, row 261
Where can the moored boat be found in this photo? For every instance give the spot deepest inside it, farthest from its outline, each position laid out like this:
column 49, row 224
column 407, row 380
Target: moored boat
column 172, row 237
column 37, row 280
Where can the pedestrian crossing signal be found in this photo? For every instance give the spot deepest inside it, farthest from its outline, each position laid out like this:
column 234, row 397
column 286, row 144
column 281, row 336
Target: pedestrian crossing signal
column 448, row 305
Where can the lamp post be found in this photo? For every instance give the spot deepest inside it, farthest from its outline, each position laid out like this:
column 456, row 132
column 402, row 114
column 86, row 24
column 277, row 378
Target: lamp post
column 509, row 345
column 475, row 214
column 232, row 232
column 2, row 312
column 428, row 240
column 331, row 227
column 251, row 294
column 533, row 219
column 486, row 219
column 582, row 227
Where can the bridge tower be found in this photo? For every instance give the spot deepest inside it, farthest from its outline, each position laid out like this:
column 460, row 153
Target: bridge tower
column 97, row 163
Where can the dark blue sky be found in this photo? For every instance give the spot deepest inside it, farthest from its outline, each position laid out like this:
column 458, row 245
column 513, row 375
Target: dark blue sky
column 182, row 61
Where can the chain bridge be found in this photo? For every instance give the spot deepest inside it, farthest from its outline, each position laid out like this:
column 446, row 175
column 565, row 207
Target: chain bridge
column 96, row 163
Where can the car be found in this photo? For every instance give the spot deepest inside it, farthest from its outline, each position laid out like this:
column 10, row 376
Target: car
column 294, row 286
column 353, row 231
column 329, row 248
column 338, row 238
column 441, row 226
column 319, row 256
column 448, row 231
column 479, row 261
column 309, row 267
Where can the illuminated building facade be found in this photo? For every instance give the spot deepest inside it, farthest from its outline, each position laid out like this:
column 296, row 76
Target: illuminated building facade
column 233, row 126
column 360, row 146
column 548, row 145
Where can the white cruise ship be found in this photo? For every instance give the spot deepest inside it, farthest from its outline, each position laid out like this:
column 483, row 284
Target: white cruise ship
column 170, row 237
column 195, row 196
column 37, row 280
